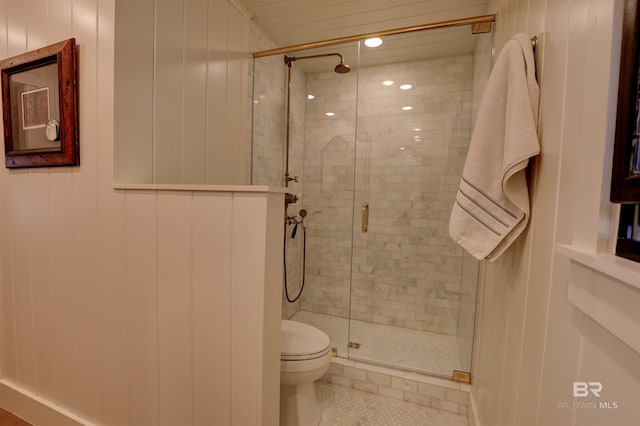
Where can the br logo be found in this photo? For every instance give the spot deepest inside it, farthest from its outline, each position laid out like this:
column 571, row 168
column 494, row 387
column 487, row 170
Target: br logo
column 585, row 389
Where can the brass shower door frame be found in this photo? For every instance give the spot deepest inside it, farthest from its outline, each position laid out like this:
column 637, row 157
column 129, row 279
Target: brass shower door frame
column 479, row 24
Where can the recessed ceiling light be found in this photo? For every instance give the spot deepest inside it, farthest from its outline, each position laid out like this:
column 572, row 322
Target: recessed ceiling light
column 388, row 82
column 373, row 42
column 406, row 86
column 417, row 129
column 407, row 108
column 310, row 97
column 329, row 114
column 402, row 148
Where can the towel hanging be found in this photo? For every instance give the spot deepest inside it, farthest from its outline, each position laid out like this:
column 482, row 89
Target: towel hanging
column 492, row 204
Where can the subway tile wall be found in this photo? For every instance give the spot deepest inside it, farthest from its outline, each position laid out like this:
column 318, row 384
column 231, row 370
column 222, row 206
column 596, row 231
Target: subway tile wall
column 406, row 166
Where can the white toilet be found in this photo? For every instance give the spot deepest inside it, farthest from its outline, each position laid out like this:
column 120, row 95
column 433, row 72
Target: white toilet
column 305, row 357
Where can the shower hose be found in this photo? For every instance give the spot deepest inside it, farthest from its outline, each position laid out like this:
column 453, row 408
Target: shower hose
column 304, row 260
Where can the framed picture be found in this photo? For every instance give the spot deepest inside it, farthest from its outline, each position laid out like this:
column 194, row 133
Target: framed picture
column 40, row 107
column 625, row 179
column 625, row 170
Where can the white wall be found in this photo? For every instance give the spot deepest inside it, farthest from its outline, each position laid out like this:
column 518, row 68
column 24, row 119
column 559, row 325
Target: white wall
column 181, row 79
column 137, row 307
column 533, row 342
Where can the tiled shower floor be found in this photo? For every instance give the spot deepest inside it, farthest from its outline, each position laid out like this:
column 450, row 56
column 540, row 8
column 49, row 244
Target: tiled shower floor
column 387, row 345
column 342, row 406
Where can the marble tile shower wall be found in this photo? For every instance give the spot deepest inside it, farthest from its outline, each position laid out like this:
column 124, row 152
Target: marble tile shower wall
column 268, row 121
column 406, row 270
column 269, row 129
column 328, row 191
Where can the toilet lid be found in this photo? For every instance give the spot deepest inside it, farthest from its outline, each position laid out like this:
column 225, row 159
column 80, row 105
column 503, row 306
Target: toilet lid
column 302, row 341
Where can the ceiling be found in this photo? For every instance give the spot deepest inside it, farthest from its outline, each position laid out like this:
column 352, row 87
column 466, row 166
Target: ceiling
column 292, row 22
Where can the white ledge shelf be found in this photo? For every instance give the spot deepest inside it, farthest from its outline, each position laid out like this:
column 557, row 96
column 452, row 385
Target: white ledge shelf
column 616, row 267
column 200, row 188
column 606, row 288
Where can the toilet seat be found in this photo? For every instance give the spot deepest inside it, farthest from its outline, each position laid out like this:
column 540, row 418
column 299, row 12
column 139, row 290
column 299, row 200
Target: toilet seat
column 306, row 357
column 302, row 342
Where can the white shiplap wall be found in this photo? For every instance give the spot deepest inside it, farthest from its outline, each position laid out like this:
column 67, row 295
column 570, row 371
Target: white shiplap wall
column 532, row 342
column 181, row 70
column 129, row 307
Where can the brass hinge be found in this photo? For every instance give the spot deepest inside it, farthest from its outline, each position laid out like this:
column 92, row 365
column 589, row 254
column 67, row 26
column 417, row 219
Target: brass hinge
column 461, row 376
column 480, row 28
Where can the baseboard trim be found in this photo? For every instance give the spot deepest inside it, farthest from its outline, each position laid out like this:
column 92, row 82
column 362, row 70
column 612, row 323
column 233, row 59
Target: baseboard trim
column 34, row 409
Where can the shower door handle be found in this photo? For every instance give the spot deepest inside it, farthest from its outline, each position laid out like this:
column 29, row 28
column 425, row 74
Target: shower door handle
column 365, row 217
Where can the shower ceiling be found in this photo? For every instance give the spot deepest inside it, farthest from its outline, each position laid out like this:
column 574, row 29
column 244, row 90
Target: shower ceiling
column 291, row 22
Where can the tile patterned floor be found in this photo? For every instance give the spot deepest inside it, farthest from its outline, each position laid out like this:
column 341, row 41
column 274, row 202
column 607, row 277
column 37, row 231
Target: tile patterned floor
column 392, row 346
column 342, row 406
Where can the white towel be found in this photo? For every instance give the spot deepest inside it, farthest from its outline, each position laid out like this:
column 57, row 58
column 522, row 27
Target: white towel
column 492, row 203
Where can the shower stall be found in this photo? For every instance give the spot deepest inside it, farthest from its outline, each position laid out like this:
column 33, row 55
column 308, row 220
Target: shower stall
column 372, row 151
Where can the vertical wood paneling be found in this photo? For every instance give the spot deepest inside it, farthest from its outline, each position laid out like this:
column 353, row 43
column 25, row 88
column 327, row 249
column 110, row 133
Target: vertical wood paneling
column 61, row 265
column 39, row 235
column 197, row 136
column 238, row 45
column 111, row 287
column 101, row 289
column 111, row 223
column 212, row 217
column 84, row 205
column 36, row 24
column 551, row 42
column 594, row 26
column 112, row 236
column 59, row 20
column 16, row 28
column 558, row 343
column 25, row 351
column 7, row 331
column 248, row 266
column 522, row 15
column 134, row 91
column 142, row 307
column 194, row 97
column 9, row 338
column 175, row 340
column 272, row 311
column 168, row 91
column 619, row 372
column 253, row 374
column 61, row 262
column 217, row 91
column 41, row 288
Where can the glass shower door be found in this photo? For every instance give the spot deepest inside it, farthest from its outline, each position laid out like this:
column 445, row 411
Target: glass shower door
column 413, row 290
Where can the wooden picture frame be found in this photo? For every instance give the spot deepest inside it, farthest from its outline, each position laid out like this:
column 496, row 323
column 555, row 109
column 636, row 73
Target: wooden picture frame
column 40, row 107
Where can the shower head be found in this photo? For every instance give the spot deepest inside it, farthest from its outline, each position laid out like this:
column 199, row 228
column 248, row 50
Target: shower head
column 341, row 68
